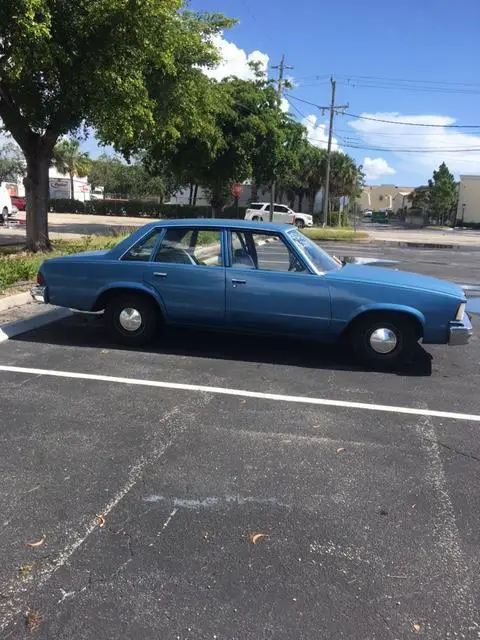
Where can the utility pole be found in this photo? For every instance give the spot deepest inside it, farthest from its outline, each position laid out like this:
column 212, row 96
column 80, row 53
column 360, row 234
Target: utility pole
column 332, row 108
column 281, row 69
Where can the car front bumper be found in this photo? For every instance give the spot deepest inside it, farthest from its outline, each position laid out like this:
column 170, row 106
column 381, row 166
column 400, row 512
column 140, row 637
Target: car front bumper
column 39, row 294
column 460, row 332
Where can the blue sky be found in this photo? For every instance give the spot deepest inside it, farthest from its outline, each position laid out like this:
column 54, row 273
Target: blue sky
column 430, row 44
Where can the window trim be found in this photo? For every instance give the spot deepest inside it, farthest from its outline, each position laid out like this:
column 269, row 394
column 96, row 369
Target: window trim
column 283, row 237
column 193, row 228
column 158, row 230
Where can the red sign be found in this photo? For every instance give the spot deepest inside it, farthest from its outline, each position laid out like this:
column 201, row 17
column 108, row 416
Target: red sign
column 236, row 190
column 85, row 188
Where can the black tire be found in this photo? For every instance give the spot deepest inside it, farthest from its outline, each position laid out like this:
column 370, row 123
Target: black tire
column 146, row 312
column 299, row 223
column 402, row 345
column 4, row 216
column 255, row 219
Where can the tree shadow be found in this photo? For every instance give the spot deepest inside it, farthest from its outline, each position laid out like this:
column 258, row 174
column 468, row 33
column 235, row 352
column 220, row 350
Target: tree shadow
column 89, row 331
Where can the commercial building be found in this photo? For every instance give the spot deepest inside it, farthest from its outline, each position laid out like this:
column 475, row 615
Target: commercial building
column 384, row 196
column 468, row 210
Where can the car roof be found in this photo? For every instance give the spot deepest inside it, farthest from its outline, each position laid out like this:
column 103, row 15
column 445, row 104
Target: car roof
column 211, row 223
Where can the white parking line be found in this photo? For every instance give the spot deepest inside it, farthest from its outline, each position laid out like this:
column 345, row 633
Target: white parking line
column 244, row 393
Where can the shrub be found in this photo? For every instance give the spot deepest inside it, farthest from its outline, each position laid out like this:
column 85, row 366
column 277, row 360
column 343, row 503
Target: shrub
column 66, row 205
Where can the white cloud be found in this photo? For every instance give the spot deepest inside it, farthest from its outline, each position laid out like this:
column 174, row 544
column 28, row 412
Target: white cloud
column 317, row 133
column 235, row 61
column 435, row 144
column 375, row 168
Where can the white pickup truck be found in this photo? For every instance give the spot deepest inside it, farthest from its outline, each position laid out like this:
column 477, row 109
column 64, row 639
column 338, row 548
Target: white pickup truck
column 260, row 211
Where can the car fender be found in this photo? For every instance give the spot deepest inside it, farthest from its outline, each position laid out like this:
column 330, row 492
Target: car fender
column 382, row 306
column 134, row 286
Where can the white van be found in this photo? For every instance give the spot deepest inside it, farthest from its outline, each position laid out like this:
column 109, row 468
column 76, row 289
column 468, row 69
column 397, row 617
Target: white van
column 6, row 209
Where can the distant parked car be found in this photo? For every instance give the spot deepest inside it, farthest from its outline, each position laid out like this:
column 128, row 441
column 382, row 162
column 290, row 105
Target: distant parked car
column 6, row 208
column 367, row 213
column 255, row 277
column 18, row 202
column 260, row 211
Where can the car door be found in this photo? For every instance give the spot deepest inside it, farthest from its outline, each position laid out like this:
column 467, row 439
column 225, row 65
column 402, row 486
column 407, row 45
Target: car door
column 281, row 214
column 188, row 272
column 269, row 289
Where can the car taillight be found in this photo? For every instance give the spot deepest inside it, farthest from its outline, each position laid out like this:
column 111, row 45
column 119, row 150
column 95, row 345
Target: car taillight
column 40, row 279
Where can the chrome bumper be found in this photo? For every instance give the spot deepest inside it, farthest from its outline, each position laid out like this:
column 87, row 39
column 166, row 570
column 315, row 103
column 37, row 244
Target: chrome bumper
column 39, row 294
column 460, row 332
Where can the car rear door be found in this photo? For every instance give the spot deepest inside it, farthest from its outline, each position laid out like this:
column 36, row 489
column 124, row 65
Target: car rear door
column 270, row 290
column 188, row 272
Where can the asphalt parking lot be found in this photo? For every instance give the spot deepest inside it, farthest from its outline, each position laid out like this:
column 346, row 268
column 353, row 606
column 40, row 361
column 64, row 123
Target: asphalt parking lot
column 365, row 485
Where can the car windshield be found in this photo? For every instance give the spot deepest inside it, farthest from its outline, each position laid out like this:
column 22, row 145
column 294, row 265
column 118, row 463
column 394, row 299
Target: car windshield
column 318, row 257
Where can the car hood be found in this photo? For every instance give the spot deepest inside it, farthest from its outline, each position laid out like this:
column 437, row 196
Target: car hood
column 382, row 276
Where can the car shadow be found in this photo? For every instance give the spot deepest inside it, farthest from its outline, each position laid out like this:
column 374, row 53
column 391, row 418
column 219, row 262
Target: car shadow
column 89, row 331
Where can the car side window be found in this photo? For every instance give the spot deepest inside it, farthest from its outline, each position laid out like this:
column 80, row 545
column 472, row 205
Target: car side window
column 263, row 251
column 142, row 250
column 278, row 208
column 201, row 247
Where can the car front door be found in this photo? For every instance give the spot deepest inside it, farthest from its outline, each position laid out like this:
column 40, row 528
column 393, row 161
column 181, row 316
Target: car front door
column 269, row 289
column 188, row 272
column 281, row 214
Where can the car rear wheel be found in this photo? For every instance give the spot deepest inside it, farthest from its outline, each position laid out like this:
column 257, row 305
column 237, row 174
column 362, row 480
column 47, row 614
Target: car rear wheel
column 256, row 219
column 4, row 215
column 132, row 319
column 299, row 223
column 384, row 339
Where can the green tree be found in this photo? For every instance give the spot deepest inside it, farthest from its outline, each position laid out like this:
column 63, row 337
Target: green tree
column 442, row 194
column 346, row 177
column 12, row 162
column 68, row 159
column 127, row 69
column 243, row 137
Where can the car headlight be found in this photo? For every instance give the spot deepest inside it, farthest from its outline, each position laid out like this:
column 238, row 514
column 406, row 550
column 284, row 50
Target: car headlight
column 460, row 312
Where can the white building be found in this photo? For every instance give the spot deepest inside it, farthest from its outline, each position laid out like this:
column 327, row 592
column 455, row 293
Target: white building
column 60, row 186
column 468, row 210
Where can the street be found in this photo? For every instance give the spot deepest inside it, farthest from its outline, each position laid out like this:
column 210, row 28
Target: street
column 364, row 485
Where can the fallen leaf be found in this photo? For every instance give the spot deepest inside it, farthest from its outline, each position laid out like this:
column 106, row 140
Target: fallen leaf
column 255, row 537
column 24, row 569
column 37, row 543
column 101, row 521
column 340, row 449
column 416, row 627
column 33, row 620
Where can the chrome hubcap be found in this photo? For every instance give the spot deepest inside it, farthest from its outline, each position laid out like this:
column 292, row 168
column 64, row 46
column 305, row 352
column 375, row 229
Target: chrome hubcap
column 383, row 340
column 130, row 319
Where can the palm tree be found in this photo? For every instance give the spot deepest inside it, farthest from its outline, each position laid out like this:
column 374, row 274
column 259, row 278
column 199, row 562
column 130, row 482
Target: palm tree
column 346, row 178
column 68, row 159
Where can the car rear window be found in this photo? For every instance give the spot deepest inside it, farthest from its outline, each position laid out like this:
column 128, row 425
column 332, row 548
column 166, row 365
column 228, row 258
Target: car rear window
column 255, row 205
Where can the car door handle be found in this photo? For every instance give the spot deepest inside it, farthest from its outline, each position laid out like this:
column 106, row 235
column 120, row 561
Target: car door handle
column 236, row 281
column 159, row 274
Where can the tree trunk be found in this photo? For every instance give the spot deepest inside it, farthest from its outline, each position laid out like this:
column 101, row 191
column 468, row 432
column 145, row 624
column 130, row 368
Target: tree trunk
column 36, row 191
column 72, row 186
column 190, row 196
column 195, row 192
column 254, row 194
column 300, row 202
column 311, row 202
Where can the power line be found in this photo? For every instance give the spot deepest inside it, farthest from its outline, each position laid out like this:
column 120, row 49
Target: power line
column 410, row 124
column 413, row 124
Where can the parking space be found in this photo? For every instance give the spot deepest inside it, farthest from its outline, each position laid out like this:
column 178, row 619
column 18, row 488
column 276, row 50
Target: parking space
column 365, row 486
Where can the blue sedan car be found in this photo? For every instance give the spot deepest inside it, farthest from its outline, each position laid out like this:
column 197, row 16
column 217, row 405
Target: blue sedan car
column 254, row 277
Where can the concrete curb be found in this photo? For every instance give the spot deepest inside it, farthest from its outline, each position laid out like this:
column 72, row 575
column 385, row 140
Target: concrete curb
column 17, row 300
column 12, row 329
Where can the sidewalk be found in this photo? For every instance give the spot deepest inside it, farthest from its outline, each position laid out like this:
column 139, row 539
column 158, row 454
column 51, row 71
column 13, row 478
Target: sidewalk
column 453, row 238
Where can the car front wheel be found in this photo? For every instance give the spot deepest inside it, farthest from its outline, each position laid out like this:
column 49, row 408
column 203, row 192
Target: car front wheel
column 299, row 223
column 132, row 319
column 4, row 216
column 386, row 339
